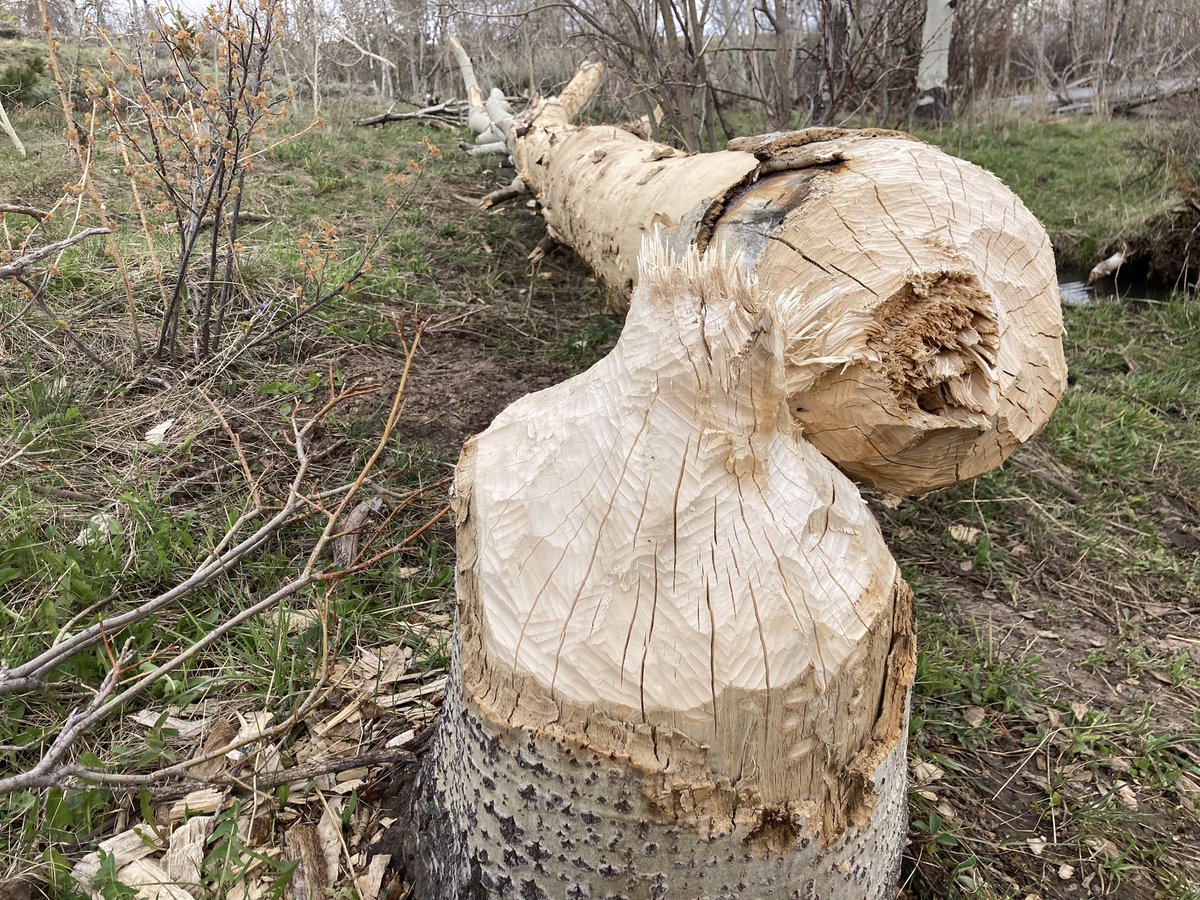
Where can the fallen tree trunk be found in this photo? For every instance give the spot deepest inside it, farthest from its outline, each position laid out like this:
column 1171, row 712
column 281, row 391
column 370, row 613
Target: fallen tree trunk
column 951, row 354
column 684, row 652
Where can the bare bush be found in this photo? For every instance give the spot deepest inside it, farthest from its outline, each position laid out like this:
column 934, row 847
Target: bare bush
column 192, row 131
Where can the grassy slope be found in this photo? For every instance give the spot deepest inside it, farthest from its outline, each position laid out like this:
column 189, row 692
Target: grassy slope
column 1058, row 686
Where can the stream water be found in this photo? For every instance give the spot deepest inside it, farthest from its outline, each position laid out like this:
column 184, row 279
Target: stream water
column 1077, row 292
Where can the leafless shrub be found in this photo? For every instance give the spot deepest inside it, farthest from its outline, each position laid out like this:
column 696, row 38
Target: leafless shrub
column 192, row 137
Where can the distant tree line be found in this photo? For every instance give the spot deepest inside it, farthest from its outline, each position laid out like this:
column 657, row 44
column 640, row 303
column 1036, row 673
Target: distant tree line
column 693, row 68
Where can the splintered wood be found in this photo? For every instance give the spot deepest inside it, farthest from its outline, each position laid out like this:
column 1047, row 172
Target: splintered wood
column 680, row 614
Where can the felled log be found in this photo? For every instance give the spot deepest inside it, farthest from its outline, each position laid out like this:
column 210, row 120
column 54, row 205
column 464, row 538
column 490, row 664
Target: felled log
column 949, row 353
column 684, row 654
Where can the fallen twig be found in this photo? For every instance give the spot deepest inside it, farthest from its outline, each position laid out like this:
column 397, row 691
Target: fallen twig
column 448, row 113
column 251, row 481
column 21, row 263
column 37, row 293
column 512, row 190
column 17, row 209
column 51, row 770
column 304, row 772
column 78, row 721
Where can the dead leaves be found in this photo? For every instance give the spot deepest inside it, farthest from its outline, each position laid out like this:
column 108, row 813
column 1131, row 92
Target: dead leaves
column 283, row 808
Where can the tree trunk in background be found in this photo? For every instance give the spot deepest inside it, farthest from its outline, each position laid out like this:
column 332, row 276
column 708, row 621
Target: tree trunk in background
column 10, row 131
column 835, row 35
column 933, row 71
column 684, row 653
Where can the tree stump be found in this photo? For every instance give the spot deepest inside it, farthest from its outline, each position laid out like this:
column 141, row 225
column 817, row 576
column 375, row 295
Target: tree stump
column 684, row 651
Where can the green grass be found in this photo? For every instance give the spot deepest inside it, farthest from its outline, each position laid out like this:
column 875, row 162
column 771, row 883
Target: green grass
column 1053, row 690
column 71, row 447
column 49, row 577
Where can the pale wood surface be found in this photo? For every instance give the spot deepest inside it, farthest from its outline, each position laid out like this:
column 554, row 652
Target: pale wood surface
column 948, row 352
column 654, row 539
column 676, row 612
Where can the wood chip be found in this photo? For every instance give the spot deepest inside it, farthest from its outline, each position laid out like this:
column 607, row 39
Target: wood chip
column 187, row 730
column 261, row 759
column 300, row 621
column 368, row 884
column 965, row 534
column 201, row 802
column 329, row 831
column 344, row 547
column 375, row 667
column 254, row 828
column 157, row 436
column 339, row 717
column 221, row 735
column 304, row 847
column 1126, row 796
column 184, row 860
column 926, row 772
column 136, row 843
column 150, row 881
column 246, row 890
column 405, row 697
column 401, row 739
column 251, row 726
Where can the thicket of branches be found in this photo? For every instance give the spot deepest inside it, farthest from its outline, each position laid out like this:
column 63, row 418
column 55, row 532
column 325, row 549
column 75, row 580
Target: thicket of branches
column 705, row 61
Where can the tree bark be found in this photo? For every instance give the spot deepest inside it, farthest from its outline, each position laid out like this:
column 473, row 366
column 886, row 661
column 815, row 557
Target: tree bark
column 933, row 70
column 684, row 651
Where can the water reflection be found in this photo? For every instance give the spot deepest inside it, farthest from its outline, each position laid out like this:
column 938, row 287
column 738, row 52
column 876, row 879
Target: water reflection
column 1077, row 292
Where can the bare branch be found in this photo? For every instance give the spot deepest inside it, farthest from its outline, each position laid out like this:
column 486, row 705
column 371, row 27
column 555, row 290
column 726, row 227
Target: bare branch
column 46, row 772
column 17, row 209
column 21, row 263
